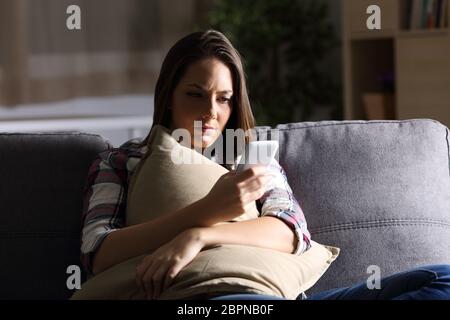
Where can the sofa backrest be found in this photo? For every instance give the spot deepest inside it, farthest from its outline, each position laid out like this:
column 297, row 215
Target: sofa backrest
column 379, row 190
column 42, row 177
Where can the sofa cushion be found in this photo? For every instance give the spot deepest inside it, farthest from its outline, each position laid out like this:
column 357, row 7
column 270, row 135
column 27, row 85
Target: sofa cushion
column 379, row 190
column 42, row 179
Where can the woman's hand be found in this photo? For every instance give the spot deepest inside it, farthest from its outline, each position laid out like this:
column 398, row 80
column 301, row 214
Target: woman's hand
column 234, row 192
column 157, row 270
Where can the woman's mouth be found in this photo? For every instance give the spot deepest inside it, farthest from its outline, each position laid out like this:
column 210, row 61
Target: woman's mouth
column 208, row 130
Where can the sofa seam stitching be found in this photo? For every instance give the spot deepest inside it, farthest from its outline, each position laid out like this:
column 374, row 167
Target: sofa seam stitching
column 356, row 122
column 330, row 230
column 388, row 221
column 62, row 133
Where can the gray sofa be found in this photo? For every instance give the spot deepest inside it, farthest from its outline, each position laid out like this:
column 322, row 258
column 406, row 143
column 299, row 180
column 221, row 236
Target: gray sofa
column 379, row 190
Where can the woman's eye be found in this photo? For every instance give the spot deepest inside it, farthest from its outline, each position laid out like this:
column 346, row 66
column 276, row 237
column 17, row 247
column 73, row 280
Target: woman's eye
column 194, row 94
column 199, row 95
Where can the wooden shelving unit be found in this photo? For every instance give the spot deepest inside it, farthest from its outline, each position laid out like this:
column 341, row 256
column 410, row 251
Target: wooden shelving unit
column 419, row 60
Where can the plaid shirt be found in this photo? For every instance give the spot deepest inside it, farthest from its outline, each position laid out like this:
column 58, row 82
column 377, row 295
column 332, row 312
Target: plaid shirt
column 105, row 192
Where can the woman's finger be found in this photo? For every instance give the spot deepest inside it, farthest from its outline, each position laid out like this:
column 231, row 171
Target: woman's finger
column 147, row 279
column 251, row 172
column 255, row 195
column 158, row 279
column 258, row 181
column 172, row 272
column 140, row 271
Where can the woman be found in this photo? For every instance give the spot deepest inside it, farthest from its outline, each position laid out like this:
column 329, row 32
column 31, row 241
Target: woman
column 201, row 79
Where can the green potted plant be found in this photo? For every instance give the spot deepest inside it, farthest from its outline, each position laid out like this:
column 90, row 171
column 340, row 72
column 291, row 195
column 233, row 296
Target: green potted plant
column 283, row 43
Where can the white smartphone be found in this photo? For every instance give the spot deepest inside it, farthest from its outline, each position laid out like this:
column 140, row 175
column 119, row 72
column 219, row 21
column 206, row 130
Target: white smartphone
column 257, row 153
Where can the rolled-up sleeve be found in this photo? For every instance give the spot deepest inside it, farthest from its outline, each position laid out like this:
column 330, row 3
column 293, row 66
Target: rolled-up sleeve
column 103, row 207
column 279, row 201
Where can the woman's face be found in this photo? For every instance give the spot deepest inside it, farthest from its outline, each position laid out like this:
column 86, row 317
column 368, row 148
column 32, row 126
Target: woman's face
column 203, row 94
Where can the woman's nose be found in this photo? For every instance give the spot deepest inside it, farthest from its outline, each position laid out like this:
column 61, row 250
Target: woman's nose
column 211, row 109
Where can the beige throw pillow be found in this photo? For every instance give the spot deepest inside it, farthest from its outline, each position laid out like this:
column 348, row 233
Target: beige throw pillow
column 170, row 177
column 158, row 186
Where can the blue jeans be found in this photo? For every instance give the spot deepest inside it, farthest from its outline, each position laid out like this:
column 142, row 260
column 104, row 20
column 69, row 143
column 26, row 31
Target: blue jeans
column 430, row 282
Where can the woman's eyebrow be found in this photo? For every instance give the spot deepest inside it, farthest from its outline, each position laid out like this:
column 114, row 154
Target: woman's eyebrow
column 201, row 88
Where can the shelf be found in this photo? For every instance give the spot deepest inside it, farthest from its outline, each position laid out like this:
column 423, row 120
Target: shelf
column 383, row 34
column 373, row 34
column 423, row 32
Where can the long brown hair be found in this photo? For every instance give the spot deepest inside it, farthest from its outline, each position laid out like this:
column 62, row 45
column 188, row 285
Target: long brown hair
column 189, row 49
